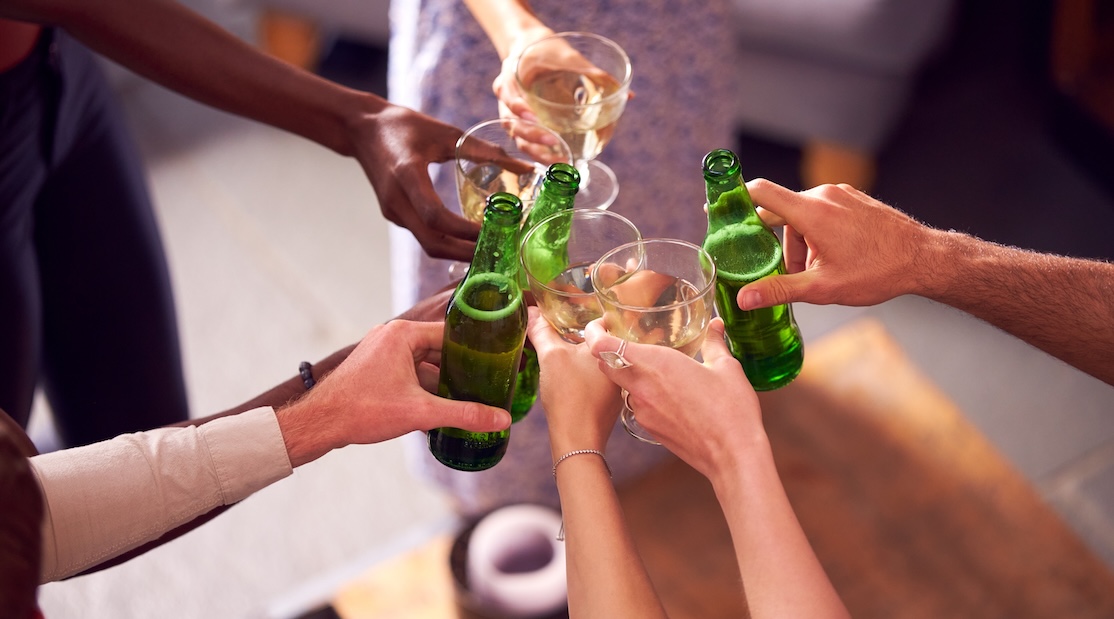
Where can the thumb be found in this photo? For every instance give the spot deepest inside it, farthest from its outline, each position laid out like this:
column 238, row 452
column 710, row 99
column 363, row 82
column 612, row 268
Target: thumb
column 470, row 416
column 541, row 333
column 715, row 347
column 775, row 290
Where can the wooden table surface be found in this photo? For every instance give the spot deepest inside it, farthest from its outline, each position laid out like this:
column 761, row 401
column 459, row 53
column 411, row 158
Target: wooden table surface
column 911, row 511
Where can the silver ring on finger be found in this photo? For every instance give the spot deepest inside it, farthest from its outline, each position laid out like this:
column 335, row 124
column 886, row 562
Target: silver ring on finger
column 616, row 360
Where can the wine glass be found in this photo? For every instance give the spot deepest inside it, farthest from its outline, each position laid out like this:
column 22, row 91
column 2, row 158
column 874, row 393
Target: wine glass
column 656, row 291
column 504, row 154
column 557, row 256
column 578, row 84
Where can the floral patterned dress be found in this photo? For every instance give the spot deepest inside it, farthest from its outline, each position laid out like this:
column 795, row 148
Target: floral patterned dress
column 442, row 64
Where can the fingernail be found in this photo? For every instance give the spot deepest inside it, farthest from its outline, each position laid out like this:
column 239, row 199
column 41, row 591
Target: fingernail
column 750, row 299
column 718, row 327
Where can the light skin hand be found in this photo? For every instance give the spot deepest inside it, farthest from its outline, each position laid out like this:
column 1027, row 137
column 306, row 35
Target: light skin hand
column 841, row 246
column 699, row 411
column 376, row 394
column 605, row 574
column 708, row 415
column 581, row 404
column 512, row 103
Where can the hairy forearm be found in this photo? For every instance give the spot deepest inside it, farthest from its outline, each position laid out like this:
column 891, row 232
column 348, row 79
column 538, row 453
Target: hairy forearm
column 1064, row 306
column 176, row 47
column 780, row 571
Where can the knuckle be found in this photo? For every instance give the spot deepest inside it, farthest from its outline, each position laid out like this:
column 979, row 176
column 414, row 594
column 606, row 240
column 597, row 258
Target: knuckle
column 829, row 191
column 760, row 185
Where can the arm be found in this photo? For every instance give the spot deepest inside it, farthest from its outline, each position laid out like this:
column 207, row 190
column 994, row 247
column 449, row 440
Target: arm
column 511, row 25
column 111, row 497
column 842, row 246
column 166, row 42
column 606, row 577
column 430, row 309
column 721, row 436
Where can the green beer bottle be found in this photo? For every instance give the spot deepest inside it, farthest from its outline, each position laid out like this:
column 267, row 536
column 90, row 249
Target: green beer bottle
column 485, row 328
column 766, row 341
column 558, row 193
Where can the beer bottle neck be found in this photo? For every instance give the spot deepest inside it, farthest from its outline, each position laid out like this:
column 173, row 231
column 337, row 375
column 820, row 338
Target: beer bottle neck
column 495, row 249
column 558, row 193
column 497, row 246
column 728, row 201
column 728, row 198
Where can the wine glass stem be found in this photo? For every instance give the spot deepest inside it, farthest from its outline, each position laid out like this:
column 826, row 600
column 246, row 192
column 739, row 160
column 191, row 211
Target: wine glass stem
column 585, row 173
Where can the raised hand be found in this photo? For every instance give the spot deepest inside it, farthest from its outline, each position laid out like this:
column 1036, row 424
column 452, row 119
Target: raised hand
column 841, row 246
column 377, row 394
column 581, row 404
column 699, row 411
column 395, row 147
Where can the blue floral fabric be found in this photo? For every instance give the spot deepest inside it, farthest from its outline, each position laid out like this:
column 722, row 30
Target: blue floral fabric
column 682, row 53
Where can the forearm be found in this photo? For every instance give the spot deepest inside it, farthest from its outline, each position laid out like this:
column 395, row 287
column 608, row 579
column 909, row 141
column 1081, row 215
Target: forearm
column 606, row 577
column 780, row 571
column 1064, row 306
column 503, row 21
column 105, row 499
column 170, row 44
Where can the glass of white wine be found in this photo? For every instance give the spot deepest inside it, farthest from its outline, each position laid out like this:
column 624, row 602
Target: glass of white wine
column 557, row 256
column 656, row 291
column 578, row 84
column 504, row 154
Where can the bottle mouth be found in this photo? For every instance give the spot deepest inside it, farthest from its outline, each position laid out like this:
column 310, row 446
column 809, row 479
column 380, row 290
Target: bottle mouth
column 563, row 173
column 503, row 204
column 721, row 162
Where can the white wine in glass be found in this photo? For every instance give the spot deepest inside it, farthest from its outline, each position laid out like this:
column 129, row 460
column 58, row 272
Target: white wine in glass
column 492, row 156
column 660, row 292
column 557, row 256
column 577, row 83
column 581, row 107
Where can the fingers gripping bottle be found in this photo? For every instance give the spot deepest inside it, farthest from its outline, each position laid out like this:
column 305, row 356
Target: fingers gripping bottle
column 558, row 193
column 767, row 342
column 485, row 328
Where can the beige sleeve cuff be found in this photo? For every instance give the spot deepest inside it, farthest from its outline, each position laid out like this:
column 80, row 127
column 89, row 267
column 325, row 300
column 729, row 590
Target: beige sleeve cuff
column 104, row 499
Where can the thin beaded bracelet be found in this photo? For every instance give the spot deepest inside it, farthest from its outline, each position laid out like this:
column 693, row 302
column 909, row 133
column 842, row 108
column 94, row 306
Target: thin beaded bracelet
column 578, row 452
column 306, row 370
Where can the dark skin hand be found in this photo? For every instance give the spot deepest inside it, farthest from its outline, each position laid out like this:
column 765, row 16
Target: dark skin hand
column 168, row 43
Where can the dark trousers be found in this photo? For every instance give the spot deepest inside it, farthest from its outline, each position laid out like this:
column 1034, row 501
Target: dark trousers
column 86, row 308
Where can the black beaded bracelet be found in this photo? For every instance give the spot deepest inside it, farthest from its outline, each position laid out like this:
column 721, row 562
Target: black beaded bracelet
column 306, row 370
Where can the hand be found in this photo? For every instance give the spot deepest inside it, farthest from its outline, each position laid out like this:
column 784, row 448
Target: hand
column 381, row 391
column 395, row 147
column 841, row 246
column 512, row 103
column 581, row 404
column 702, row 412
column 550, row 56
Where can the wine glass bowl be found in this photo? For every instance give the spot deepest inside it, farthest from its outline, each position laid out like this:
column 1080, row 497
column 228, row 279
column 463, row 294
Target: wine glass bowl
column 656, row 291
column 557, row 256
column 578, row 83
column 504, row 155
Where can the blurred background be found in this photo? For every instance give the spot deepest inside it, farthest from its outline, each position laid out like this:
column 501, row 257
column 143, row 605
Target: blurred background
column 991, row 117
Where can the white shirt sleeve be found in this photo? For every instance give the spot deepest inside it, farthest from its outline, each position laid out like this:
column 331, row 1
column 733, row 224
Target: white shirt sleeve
column 104, row 499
